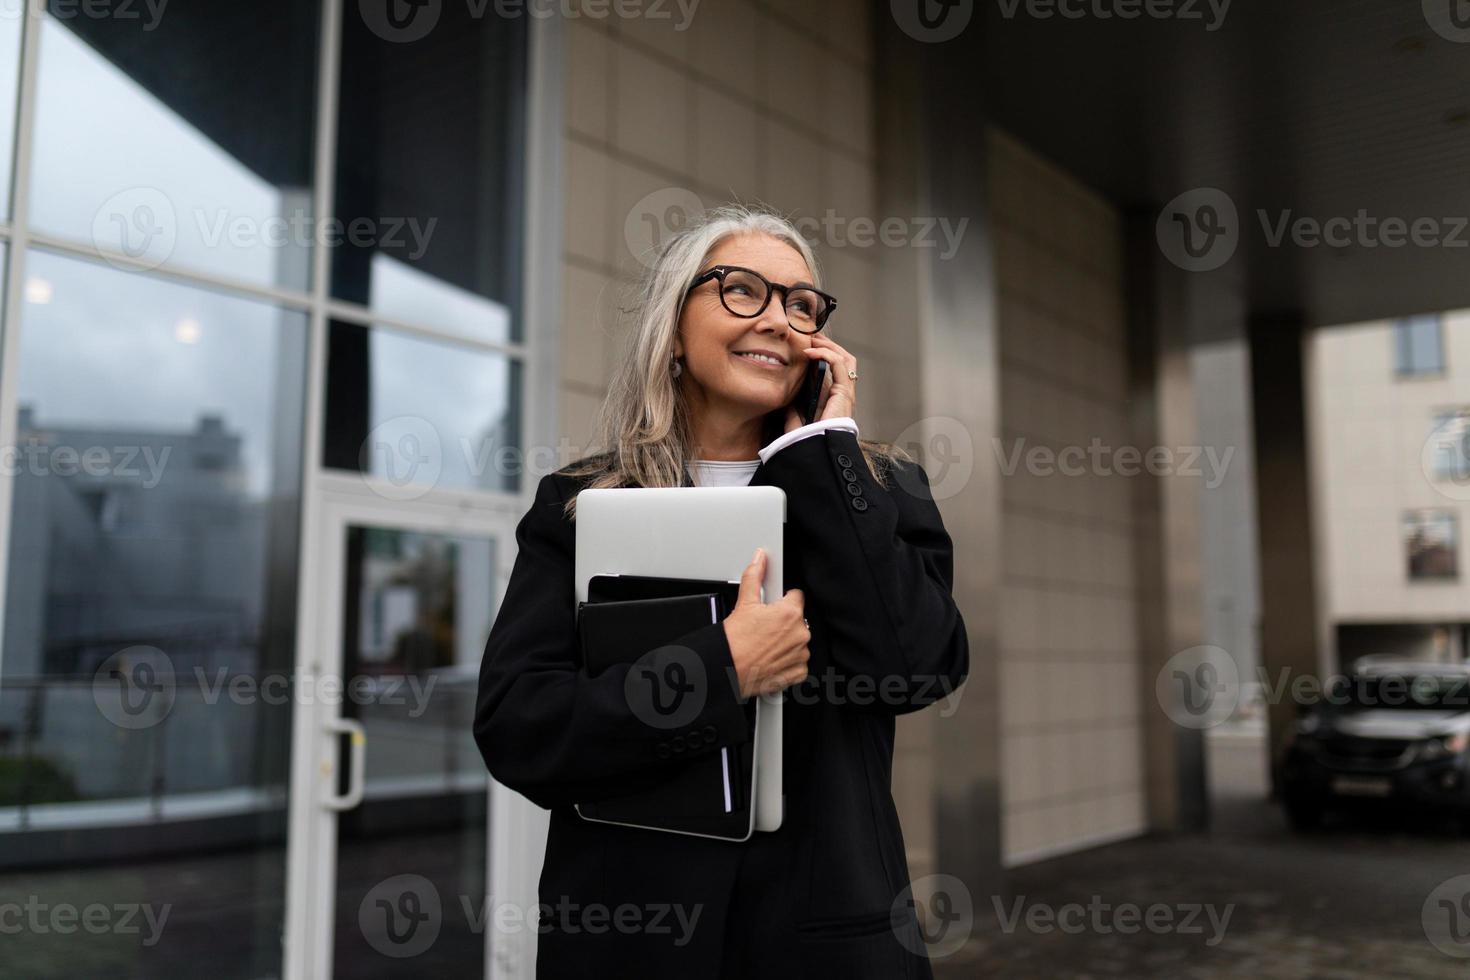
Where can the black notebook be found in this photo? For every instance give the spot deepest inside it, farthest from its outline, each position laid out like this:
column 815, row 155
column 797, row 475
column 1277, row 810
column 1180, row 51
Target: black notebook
column 711, row 794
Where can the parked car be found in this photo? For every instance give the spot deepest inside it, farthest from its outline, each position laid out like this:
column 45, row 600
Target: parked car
column 1393, row 732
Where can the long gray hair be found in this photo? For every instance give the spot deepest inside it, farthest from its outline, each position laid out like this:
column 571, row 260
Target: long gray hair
column 643, row 428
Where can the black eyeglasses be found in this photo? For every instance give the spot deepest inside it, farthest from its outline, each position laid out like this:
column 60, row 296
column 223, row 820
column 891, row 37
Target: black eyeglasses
column 745, row 293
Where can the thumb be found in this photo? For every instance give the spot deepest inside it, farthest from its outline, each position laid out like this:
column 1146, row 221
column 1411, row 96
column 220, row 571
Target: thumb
column 750, row 580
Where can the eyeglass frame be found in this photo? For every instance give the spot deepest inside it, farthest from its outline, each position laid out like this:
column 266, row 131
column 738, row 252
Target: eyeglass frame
column 720, row 271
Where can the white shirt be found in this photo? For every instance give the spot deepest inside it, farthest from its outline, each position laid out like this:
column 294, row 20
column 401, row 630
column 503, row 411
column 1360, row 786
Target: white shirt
column 737, row 473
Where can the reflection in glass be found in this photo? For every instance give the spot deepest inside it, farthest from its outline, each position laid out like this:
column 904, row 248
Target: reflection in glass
column 204, row 118
column 422, row 414
column 418, row 611
column 150, row 597
column 430, row 142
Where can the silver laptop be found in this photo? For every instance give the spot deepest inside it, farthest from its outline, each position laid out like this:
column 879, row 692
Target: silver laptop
column 700, row 533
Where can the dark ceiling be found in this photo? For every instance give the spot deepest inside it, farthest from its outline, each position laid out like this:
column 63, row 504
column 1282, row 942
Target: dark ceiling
column 1323, row 107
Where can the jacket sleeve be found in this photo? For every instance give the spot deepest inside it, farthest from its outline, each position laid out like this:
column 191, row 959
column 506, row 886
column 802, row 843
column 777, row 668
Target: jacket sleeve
column 557, row 736
column 879, row 565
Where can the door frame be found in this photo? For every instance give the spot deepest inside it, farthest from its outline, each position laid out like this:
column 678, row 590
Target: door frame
column 346, row 500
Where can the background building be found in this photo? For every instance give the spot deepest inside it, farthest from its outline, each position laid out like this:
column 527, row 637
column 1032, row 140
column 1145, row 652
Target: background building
column 1391, row 427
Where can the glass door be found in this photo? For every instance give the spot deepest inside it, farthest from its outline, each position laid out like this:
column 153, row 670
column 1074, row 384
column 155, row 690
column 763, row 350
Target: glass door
column 396, row 843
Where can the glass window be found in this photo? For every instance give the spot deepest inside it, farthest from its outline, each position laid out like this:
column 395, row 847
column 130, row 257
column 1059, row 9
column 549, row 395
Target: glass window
column 10, row 26
column 429, row 170
column 1418, row 345
column 203, row 114
column 1431, row 539
column 421, row 414
column 153, row 551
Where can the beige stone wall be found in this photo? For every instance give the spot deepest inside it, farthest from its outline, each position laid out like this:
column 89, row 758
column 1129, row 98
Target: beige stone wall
column 744, row 105
column 1071, row 713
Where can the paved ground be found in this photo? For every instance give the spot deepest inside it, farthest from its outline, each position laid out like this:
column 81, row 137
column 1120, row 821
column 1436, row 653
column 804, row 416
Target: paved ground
column 1346, row 903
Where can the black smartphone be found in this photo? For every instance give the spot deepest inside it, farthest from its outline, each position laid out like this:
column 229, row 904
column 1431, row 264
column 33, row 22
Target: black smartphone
column 810, row 395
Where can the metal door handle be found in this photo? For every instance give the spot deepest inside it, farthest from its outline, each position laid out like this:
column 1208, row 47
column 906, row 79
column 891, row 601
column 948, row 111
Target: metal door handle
column 356, row 762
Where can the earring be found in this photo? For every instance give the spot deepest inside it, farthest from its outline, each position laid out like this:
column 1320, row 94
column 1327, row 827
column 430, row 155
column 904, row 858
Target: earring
column 675, row 368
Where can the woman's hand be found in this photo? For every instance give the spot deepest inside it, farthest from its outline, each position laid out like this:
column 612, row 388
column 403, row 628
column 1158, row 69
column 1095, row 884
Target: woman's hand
column 839, row 396
column 768, row 641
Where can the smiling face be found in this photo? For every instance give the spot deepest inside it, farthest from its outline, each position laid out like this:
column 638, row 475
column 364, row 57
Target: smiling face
column 717, row 375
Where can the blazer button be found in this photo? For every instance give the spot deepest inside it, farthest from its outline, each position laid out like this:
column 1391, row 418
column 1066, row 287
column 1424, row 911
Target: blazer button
column 843, row 459
column 855, row 489
column 859, row 503
column 850, row 475
column 710, row 733
column 662, row 750
column 677, row 744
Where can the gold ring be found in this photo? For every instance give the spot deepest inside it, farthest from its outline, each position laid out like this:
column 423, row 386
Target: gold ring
column 851, row 374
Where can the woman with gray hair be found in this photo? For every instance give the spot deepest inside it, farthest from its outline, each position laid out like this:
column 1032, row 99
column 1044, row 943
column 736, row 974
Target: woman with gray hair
column 730, row 315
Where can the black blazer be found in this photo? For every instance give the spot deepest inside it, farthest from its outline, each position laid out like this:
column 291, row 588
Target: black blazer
column 876, row 567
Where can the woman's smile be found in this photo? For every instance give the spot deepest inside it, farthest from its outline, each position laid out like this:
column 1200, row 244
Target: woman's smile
column 762, row 361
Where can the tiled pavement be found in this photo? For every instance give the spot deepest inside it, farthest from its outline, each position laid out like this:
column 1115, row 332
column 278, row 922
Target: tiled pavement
column 1346, row 903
